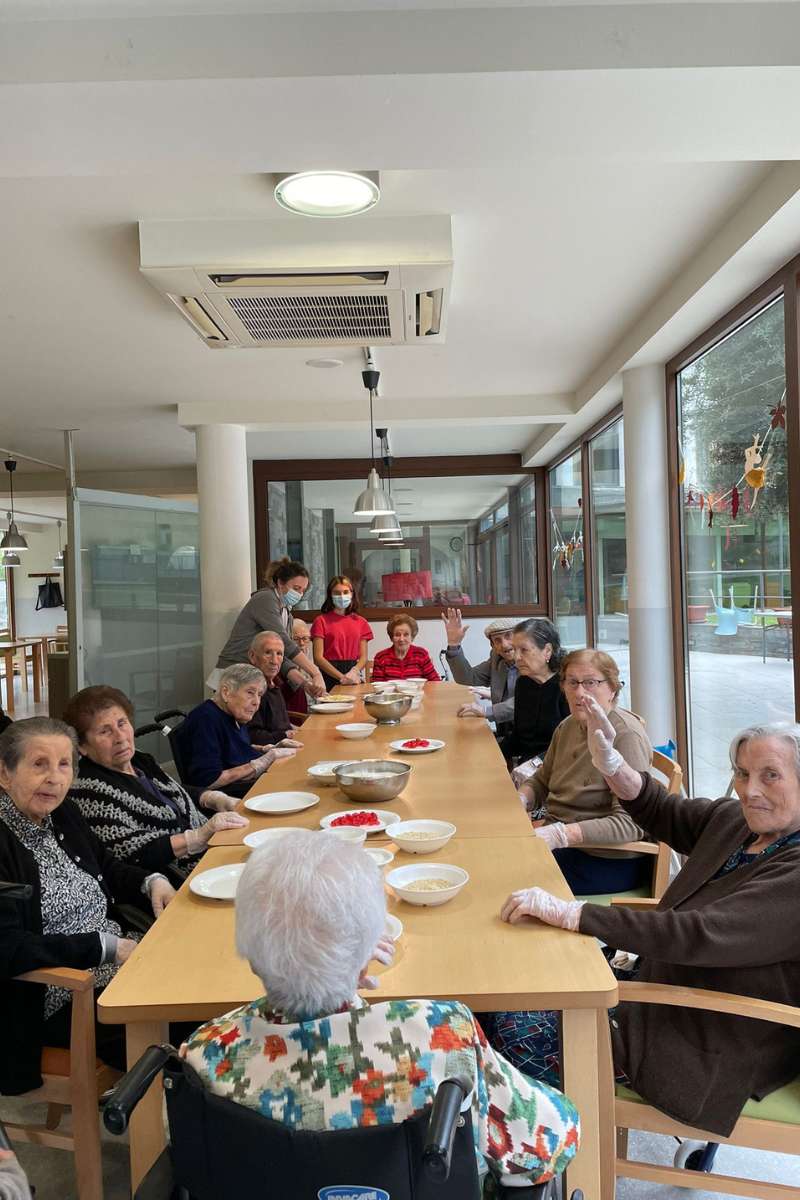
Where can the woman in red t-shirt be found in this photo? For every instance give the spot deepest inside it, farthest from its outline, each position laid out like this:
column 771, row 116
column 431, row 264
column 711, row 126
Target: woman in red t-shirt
column 340, row 635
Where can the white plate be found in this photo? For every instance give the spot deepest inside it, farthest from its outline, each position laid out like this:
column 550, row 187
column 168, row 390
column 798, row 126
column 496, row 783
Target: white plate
column 281, row 802
column 394, row 927
column 261, row 836
column 401, row 747
column 384, row 818
column 322, row 772
column 380, row 856
column 338, row 707
column 220, row 883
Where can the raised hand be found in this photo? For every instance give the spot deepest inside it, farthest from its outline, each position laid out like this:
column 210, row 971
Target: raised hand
column 455, row 629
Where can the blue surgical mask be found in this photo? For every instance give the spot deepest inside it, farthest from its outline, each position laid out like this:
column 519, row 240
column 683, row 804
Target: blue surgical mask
column 292, row 597
column 342, row 600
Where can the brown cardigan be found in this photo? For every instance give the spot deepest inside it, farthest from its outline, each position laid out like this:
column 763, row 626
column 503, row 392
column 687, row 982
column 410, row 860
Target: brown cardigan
column 739, row 934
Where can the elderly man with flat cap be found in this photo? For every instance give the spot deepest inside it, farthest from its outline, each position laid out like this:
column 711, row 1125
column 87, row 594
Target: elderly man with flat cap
column 493, row 680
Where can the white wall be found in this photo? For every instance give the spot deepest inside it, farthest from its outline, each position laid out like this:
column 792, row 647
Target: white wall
column 42, row 547
column 432, row 636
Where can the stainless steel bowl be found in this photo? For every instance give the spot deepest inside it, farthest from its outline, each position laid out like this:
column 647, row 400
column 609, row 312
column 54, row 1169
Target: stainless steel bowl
column 387, row 707
column 372, row 779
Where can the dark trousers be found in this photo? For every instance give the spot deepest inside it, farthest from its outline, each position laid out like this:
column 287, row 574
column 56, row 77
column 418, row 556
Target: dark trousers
column 589, row 875
column 341, row 664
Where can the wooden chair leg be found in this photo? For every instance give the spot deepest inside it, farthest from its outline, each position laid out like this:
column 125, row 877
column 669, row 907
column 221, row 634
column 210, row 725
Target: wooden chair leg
column 83, row 1087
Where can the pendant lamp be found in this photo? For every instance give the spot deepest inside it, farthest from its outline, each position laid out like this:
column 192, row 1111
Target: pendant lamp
column 58, row 561
column 10, row 559
column 385, row 524
column 373, row 501
column 12, row 539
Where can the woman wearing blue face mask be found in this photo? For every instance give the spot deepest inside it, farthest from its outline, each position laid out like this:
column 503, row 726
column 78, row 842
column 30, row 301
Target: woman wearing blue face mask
column 340, row 635
column 269, row 610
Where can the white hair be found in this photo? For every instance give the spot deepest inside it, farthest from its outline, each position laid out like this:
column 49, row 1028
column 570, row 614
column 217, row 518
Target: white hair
column 309, row 911
column 262, row 637
column 238, row 676
column 299, row 621
column 782, row 730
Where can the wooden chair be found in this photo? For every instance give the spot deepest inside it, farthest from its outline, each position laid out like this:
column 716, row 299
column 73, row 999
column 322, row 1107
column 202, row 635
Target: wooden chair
column 660, row 851
column 771, row 1124
column 368, row 671
column 72, row 1078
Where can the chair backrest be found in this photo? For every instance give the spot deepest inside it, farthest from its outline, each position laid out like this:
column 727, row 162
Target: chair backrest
column 673, row 774
column 368, row 671
column 221, row 1148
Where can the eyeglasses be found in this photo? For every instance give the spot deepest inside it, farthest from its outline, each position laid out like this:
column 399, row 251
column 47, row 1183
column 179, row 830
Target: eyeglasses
column 588, row 685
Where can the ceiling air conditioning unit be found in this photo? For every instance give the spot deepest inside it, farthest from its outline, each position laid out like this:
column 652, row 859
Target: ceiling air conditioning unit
column 260, row 284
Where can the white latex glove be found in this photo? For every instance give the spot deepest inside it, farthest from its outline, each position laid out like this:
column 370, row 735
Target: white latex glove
column 161, row 892
column 198, row 839
column 351, row 678
column 454, row 629
column 526, row 800
column 383, row 953
column 217, row 801
column 279, row 753
column 125, row 948
column 601, row 734
column 292, row 743
column 483, row 693
column 471, row 710
column 316, row 685
column 554, row 836
column 536, row 902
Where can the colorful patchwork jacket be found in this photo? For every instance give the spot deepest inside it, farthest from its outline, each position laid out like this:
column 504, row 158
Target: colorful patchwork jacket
column 378, row 1064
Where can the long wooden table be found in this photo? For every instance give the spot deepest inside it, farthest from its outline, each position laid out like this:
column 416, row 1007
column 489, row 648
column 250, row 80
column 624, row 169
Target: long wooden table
column 186, row 967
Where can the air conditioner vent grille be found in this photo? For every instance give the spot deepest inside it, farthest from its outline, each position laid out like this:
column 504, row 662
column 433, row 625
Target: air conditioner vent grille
column 340, row 318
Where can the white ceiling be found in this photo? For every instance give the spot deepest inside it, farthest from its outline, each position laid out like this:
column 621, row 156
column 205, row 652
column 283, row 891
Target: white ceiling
column 578, row 197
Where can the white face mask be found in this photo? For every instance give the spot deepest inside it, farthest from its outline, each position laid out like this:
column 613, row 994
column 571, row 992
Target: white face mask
column 342, row 600
column 292, row 597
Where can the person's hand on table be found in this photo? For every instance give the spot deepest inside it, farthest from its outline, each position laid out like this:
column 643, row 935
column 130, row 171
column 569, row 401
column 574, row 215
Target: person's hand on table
column 316, row 685
column 215, row 801
column 471, row 710
column 559, row 836
column 383, row 953
column 160, row 893
column 125, row 948
column 291, row 743
column 281, row 752
column 198, row 839
column 536, row 902
column 482, row 693
column 454, row 627
column 351, row 678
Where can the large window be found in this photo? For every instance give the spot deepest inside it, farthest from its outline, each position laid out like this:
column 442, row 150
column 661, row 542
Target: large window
column 735, row 541
column 609, row 556
column 468, row 540
column 5, row 607
column 566, row 549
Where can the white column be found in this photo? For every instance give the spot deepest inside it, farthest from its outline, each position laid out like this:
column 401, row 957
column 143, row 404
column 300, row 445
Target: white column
column 647, row 539
column 222, row 495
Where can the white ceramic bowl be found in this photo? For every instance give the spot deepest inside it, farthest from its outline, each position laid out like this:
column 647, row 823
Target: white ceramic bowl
column 380, row 856
column 384, row 685
column 266, row 837
column 400, row 877
column 349, row 833
column 409, row 687
column 440, row 833
column 322, row 772
column 356, row 730
column 416, row 701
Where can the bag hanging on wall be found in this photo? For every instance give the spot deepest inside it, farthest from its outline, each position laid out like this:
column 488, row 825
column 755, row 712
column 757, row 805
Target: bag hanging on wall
column 49, row 595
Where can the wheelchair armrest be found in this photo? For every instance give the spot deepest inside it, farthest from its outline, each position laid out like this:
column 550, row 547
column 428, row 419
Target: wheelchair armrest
column 143, row 730
column 133, row 1085
column 450, row 1095
column 167, row 713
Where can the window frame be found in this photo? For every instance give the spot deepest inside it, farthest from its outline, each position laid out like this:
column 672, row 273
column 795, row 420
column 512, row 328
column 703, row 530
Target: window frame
column 784, row 282
column 444, row 466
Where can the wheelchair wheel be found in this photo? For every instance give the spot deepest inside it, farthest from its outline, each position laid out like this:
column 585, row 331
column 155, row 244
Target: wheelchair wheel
column 695, row 1156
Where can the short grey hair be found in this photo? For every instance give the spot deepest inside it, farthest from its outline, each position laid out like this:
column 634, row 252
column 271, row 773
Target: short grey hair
column 309, row 912
column 306, row 628
column 262, row 637
column 19, row 733
column 239, row 675
column 784, row 731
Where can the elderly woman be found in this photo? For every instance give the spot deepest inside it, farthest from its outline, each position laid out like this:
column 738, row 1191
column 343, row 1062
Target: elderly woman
column 214, row 743
column 568, row 797
column 727, row 922
column 403, row 660
column 70, row 918
column 270, row 608
column 539, row 702
column 133, row 807
column 310, row 912
column 295, row 695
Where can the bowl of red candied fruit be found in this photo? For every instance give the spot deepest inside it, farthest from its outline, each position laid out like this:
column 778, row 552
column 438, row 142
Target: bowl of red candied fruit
column 372, row 779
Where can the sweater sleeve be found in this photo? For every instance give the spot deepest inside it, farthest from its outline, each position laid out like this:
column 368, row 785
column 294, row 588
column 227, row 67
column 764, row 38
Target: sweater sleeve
column 22, row 950
column 124, row 879
column 675, row 820
column 503, row 712
column 265, row 612
column 754, row 926
column 201, row 748
column 462, row 671
column 541, row 780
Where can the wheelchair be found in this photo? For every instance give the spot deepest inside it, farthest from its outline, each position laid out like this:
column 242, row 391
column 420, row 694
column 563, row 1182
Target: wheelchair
column 221, row 1149
column 162, row 723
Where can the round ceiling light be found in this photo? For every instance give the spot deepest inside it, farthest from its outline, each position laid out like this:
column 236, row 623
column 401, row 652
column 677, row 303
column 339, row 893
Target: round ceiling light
column 328, row 193
column 324, row 363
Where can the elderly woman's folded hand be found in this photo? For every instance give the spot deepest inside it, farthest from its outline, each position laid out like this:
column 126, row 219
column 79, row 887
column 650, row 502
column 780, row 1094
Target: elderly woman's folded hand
column 536, row 902
column 160, row 892
column 125, row 948
column 198, row 839
column 215, row 801
column 471, row 710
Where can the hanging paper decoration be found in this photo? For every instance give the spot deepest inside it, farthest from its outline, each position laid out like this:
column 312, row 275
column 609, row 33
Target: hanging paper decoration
column 778, row 414
column 689, row 498
column 710, row 516
column 702, row 501
column 734, row 501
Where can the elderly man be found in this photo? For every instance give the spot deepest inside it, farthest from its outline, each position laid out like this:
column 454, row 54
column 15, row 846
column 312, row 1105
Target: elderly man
column 493, row 680
column 271, row 725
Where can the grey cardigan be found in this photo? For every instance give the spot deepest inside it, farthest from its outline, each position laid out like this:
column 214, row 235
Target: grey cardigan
column 492, row 674
column 738, row 933
column 261, row 613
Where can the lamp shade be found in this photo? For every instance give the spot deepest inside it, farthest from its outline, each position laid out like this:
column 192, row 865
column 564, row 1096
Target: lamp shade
column 373, row 501
column 388, row 523
column 10, row 559
column 12, row 539
column 58, row 561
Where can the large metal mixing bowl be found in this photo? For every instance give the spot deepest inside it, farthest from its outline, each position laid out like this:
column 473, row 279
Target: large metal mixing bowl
column 372, row 779
column 387, row 707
